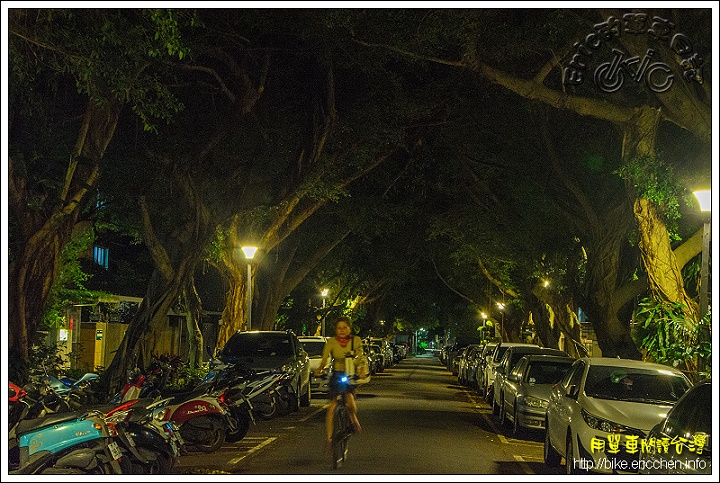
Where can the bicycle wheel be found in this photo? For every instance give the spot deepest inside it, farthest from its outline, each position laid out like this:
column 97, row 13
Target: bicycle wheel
column 341, row 423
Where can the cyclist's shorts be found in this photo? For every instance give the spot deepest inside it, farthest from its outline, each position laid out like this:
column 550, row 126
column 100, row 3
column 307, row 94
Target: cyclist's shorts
column 336, row 386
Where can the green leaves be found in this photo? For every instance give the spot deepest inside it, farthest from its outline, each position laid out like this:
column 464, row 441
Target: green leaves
column 654, row 180
column 666, row 335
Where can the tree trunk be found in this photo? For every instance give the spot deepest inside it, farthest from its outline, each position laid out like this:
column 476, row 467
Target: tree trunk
column 33, row 272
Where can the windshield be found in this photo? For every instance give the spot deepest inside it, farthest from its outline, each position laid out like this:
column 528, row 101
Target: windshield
column 634, row 385
column 546, row 372
column 313, row 348
column 258, row 345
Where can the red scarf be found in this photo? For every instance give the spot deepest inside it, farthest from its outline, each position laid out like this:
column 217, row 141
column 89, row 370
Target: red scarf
column 343, row 341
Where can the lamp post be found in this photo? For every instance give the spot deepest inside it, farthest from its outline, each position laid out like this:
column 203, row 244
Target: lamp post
column 705, row 201
column 324, row 294
column 501, row 307
column 249, row 252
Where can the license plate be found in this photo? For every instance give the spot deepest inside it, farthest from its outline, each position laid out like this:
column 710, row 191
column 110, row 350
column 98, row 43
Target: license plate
column 130, row 439
column 115, row 450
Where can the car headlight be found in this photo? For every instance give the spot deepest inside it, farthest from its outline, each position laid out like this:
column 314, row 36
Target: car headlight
column 534, row 402
column 605, row 425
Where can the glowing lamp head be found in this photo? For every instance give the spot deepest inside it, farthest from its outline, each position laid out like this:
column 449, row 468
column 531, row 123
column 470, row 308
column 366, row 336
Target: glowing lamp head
column 249, row 252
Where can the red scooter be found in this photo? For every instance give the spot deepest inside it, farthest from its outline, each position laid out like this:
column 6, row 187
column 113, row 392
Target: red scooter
column 203, row 420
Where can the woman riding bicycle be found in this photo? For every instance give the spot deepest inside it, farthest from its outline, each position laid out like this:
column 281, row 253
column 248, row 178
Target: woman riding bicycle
column 343, row 345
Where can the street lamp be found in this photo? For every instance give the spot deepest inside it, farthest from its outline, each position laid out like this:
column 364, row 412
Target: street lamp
column 249, row 252
column 705, row 200
column 324, row 294
column 501, row 308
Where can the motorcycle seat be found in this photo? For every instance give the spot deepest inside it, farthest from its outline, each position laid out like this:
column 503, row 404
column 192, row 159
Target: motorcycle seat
column 27, row 425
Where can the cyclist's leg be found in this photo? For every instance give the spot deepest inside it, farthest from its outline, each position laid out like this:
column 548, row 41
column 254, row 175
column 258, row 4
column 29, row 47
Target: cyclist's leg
column 329, row 415
column 352, row 410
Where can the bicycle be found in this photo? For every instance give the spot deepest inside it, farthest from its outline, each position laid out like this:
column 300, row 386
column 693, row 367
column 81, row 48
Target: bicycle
column 342, row 429
column 342, row 426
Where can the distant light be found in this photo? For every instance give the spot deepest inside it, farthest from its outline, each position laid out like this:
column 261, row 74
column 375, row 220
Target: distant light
column 501, row 305
column 704, row 198
column 249, row 252
column 324, row 292
column 546, row 283
column 483, row 315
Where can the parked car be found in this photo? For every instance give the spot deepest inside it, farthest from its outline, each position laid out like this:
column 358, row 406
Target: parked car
column 277, row 351
column 385, row 350
column 603, row 408
column 511, row 357
column 377, row 354
column 689, row 426
column 527, row 389
column 497, row 355
column 374, row 360
column 465, row 357
column 473, row 359
column 451, row 353
column 313, row 345
column 485, row 358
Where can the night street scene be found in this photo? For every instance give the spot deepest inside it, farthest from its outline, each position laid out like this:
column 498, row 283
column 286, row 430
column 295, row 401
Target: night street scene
column 386, row 241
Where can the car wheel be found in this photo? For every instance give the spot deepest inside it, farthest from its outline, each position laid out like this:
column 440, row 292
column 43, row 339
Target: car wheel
column 516, row 428
column 550, row 456
column 295, row 399
column 571, row 467
column 503, row 412
column 569, row 459
column 305, row 398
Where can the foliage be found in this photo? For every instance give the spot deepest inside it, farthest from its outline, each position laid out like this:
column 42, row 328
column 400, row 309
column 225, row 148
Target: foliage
column 667, row 336
column 655, row 181
column 186, row 376
column 69, row 287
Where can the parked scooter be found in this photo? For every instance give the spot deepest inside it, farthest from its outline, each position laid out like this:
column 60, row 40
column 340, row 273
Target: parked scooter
column 73, row 442
column 151, row 444
column 257, row 392
column 203, row 420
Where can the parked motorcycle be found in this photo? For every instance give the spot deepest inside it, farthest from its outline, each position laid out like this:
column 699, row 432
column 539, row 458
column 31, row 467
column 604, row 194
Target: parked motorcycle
column 203, row 420
column 150, row 443
column 71, row 442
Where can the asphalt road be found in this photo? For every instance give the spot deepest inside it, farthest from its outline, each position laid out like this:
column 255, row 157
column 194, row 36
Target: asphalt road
column 416, row 420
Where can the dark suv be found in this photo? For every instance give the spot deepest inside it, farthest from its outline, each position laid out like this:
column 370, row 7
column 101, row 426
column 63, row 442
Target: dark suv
column 273, row 350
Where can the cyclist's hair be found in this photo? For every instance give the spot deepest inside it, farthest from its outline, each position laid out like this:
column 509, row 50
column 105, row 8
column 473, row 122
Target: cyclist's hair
column 345, row 319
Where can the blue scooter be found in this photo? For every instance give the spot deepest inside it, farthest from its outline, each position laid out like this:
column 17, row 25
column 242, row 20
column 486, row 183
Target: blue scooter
column 76, row 442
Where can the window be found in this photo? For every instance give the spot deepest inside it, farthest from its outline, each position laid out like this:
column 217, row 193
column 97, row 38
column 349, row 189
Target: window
column 101, row 256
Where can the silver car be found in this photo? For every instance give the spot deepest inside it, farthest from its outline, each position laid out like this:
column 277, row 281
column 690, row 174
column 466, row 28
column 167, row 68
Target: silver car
column 314, row 345
column 603, row 408
column 528, row 388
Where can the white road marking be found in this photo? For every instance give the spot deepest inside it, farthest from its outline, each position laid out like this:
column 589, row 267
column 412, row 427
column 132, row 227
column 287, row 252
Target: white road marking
column 252, row 450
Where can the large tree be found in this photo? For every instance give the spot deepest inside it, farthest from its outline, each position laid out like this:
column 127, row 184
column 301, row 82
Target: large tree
column 544, row 63
column 71, row 72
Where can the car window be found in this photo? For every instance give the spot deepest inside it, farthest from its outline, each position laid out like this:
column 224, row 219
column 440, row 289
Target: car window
column 503, row 363
column 692, row 415
column 635, row 385
column 519, row 368
column 541, row 372
column 313, row 348
column 257, row 345
column 499, row 353
column 572, row 378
